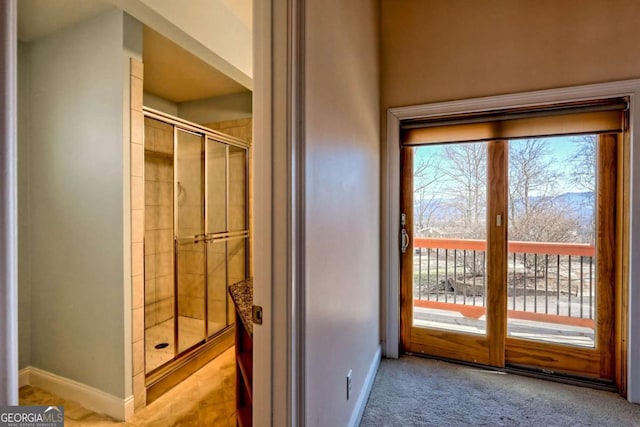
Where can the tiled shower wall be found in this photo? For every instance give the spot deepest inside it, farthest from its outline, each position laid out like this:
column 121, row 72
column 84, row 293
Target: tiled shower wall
column 137, row 234
column 158, row 238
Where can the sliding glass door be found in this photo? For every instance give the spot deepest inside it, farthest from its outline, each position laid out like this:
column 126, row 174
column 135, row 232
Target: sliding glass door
column 508, row 241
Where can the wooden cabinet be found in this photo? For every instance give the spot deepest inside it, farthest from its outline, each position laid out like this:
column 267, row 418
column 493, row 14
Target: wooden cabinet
column 242, row 295
column 244, row 373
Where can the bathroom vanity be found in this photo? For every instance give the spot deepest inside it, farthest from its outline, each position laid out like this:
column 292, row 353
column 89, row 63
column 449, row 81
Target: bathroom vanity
column 242, row 296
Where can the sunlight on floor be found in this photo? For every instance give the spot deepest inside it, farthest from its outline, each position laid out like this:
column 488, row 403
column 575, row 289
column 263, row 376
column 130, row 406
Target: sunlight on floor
column 207, row 398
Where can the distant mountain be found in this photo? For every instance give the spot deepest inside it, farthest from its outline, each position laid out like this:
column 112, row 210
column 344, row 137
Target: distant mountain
column 582, row 205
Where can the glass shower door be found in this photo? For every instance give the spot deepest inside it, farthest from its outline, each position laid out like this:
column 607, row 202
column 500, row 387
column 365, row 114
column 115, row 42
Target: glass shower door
column 216, row 219
column 190, row 240
column 238, row 219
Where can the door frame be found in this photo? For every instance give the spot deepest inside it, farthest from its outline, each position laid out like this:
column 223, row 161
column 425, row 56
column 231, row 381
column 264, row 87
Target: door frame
column 390, row 262
column 278, row 229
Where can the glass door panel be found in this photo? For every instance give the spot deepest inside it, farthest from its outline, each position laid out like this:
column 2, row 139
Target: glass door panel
column 190, row 184
column 158, row 244
column 449, row 237
column 217, row 286
column 237, row 209
column 551, row 280
column 237, row 264
column 216, row 187
column 190, row 292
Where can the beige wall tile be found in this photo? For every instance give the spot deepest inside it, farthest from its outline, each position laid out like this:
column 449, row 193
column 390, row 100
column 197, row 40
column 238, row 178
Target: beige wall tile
column 151, row 217
column 138, row 324
column 137, row 291
column 164, row 264
column 164, row 287
column 137, row 226
column 137, row 192
column 164, row 242
column 165, row 194
column 137, row 159
column 151, row 193
column 150, row 315
column 164, row 309
column 150, row 243
column 139, row 391
column 137, row 259
column 149, row 267
column 137, row 68
column 138, row 357
column 165, row 217
column 137, row 127
column 150, row 291
column 136, row 93
column 151, row 168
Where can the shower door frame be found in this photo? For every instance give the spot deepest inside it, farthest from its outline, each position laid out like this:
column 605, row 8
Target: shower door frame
column 196, row 355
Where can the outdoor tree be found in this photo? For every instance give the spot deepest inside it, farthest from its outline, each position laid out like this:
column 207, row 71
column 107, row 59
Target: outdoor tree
column 465, row 170
column 426, row 175
column 533, row 194
column 583, row 176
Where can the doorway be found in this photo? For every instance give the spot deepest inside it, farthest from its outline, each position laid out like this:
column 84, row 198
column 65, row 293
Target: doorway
column 509, row 240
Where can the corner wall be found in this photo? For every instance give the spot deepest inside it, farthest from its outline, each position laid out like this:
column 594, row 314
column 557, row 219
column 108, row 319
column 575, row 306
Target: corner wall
column 342, row 143
column 76, row 203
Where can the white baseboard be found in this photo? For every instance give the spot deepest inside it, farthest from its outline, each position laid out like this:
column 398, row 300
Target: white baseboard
column 89, row 397
column 358, row 411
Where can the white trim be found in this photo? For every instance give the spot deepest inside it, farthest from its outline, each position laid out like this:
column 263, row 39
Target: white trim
column 361, row 404
column 630, row 88
column 89, row 397
column 9, row 205
column 390, row 264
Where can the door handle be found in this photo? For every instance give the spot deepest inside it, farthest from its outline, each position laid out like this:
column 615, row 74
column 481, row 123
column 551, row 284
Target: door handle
column 404, row 241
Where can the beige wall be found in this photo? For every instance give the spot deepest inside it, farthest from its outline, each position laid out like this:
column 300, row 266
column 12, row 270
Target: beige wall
column 342, row 227
column 236, row 106
column 438, row 50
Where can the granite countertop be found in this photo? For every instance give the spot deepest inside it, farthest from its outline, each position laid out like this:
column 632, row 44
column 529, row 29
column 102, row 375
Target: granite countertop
column 242, row 296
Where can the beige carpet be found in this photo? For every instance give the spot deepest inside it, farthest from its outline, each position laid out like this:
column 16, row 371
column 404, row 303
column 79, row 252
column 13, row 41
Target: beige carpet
column 413, row 391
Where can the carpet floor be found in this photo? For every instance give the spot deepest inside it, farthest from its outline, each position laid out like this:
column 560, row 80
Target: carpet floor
column 413, row 391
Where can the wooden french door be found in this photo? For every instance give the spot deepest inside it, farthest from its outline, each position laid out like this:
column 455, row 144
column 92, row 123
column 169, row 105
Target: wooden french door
column 508, row 253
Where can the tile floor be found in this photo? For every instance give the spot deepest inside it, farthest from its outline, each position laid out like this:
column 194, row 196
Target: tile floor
column 207, row 398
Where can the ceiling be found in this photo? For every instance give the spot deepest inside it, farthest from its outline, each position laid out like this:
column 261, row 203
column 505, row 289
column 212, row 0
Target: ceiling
column 170, row 71
column 38, row 18
column 175, row 74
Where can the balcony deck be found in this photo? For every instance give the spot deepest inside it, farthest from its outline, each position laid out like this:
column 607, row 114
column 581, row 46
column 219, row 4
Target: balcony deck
column 551, row 289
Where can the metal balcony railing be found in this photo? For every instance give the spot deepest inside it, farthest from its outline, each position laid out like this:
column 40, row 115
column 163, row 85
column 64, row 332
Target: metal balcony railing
column 549, row 279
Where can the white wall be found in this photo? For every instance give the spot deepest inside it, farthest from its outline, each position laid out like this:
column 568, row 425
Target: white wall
column 342, row 143
column 76, row 203
column 217, row 109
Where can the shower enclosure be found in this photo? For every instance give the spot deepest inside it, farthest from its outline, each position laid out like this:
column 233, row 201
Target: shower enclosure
column 196, row 237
